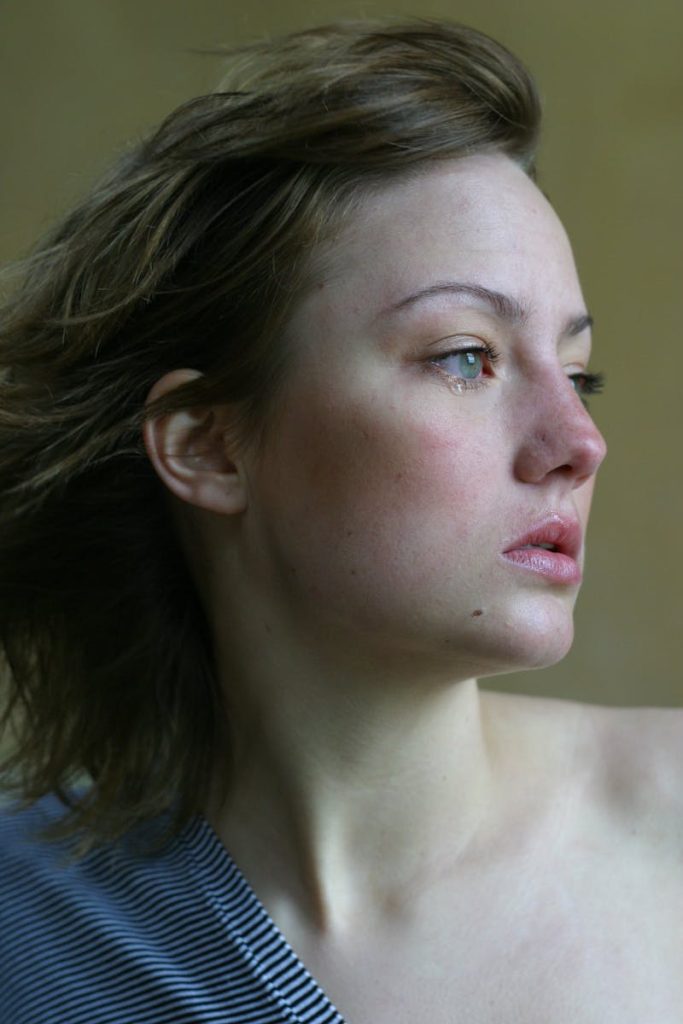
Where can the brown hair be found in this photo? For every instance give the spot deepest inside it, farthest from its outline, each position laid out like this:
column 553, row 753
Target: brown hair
column 189, row 253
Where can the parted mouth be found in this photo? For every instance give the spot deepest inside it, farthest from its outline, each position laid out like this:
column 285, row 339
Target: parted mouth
column 558, row 533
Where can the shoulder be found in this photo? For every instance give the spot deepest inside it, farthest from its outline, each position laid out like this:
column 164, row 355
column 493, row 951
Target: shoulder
column 41, row 871
column 35, row 876
column 66, row 922
column 20, row 828
column 631, row 758
column 31, row 903
column 639, row 768
column 621, row 767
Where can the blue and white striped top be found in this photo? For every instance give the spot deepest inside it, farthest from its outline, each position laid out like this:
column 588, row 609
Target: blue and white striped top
column 117, row 937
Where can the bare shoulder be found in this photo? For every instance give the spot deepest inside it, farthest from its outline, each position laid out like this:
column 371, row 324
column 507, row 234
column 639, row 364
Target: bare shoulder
column 624, row 764
column 639, row 761
column 633, row 755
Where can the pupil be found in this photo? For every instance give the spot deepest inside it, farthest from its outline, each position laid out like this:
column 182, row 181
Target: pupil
column 471, row 368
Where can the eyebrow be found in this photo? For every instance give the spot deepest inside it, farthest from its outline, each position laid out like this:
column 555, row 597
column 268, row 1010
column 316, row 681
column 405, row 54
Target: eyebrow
column 504, row 306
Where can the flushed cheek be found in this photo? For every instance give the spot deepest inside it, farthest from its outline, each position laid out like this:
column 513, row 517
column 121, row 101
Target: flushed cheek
column 379, row 504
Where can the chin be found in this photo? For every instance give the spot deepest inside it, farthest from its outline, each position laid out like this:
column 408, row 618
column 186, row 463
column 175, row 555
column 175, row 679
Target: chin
column 527, row 639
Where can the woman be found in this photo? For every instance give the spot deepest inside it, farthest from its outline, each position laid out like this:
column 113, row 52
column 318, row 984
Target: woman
column 297, row 449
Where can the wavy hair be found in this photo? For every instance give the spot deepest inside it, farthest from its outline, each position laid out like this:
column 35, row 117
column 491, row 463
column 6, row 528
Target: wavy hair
column 190, row 252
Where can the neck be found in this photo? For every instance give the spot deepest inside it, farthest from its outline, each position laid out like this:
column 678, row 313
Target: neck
column 347, row 801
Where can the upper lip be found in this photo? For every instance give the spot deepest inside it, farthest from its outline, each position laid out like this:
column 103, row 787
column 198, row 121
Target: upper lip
column 563, row 532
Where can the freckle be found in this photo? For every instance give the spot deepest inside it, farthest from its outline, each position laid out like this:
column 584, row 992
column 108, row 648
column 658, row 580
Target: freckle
column 476, row 612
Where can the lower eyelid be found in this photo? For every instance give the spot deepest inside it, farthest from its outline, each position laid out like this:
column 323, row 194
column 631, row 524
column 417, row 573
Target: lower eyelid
column 453, row 382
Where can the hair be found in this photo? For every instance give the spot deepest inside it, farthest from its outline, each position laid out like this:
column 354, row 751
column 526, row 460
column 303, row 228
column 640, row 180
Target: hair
column 190, row 252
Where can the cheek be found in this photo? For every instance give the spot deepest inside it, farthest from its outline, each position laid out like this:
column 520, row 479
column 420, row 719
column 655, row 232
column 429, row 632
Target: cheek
column 376, row 494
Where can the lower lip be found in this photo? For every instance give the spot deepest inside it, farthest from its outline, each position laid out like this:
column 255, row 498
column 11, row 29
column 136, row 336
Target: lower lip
column 551, row 564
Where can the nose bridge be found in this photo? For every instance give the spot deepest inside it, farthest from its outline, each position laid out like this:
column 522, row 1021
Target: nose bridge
column 559, row 433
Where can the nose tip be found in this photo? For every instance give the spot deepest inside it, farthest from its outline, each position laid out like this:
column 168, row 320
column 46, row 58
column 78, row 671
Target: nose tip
column 590, row 453
column 562, row 438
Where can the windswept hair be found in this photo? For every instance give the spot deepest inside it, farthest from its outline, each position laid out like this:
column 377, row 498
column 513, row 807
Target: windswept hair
column 190, row 252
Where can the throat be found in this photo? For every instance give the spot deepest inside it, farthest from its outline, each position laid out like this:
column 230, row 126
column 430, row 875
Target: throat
column 336, row 846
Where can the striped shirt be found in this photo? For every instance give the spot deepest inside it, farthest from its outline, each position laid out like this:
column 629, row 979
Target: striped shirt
column 118, row 937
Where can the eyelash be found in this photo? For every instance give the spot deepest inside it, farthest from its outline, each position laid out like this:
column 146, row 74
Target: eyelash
column 593, row 384
column 463, row 383
column 590, row 383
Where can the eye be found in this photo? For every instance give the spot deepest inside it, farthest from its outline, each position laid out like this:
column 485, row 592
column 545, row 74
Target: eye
column 466, row 365
column 587, row 384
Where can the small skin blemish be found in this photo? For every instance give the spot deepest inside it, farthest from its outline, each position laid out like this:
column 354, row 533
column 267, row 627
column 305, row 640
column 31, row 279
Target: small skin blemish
column 476, row 612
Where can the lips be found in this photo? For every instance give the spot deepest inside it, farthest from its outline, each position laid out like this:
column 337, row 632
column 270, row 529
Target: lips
column 548, row 551
column 563, row 533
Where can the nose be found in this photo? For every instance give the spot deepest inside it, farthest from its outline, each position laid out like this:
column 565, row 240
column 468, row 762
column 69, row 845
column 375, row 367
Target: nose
column 559, row 437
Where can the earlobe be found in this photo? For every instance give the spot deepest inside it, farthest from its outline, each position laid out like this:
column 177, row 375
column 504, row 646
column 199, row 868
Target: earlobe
column 190, row 453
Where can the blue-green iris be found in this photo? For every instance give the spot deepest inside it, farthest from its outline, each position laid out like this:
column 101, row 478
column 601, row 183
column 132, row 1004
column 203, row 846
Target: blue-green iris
column 471, row 365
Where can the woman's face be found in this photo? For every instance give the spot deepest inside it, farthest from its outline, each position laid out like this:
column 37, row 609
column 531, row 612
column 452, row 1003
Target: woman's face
column 398, row 473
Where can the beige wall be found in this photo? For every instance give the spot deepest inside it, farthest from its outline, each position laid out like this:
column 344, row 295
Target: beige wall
column 80, row 77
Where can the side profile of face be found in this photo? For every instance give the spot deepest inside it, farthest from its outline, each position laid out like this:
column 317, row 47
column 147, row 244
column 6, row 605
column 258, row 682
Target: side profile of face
column 416, row 440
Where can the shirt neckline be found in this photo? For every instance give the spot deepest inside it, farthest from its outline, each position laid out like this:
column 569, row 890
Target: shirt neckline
column 256, row 931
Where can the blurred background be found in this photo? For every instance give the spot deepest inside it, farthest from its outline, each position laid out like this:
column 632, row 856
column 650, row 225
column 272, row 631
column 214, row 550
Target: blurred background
column 80, row 78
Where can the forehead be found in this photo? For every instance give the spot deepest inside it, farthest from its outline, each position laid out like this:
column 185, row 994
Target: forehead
column 477, row 218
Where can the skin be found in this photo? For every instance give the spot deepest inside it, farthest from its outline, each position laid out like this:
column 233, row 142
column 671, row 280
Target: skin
column 352, row 571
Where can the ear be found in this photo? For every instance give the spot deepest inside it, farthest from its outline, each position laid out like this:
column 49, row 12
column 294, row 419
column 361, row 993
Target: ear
column 190, row 454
